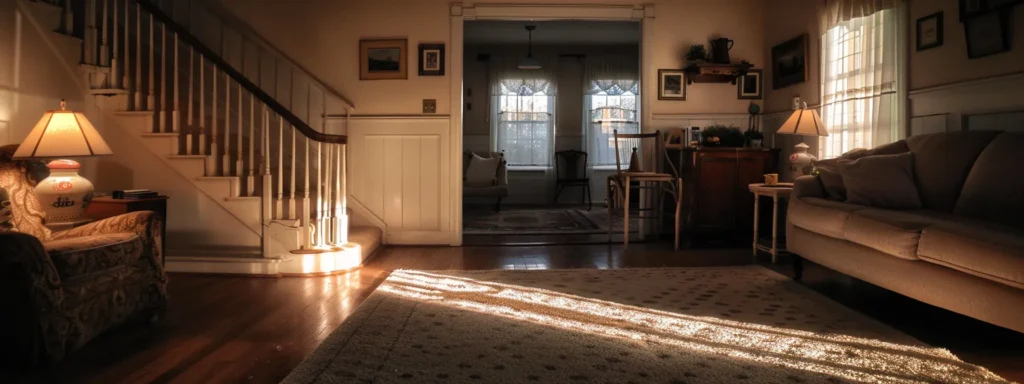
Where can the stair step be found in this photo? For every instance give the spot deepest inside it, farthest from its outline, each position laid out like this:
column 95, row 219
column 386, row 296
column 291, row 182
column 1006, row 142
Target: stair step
column 244, row 198
column 161, row 134
column 202, row 157
column 134, row 113
column 95, row 68
column 217, row 251
column 107, row 91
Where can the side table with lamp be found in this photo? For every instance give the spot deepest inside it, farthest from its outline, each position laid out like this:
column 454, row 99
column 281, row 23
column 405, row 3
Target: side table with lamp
column 803, row 122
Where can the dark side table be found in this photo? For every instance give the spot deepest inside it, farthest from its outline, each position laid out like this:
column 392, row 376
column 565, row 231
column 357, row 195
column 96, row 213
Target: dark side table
column 103, row 207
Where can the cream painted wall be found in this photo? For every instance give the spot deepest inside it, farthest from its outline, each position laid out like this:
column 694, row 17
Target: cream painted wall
column 324, row 37
column 948, row 63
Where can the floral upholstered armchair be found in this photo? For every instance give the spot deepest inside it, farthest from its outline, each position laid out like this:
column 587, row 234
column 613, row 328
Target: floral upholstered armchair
column 58, row 290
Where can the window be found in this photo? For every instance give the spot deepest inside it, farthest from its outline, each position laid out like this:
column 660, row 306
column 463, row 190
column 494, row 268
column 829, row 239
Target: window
column 609, row 108
column 525, row 127
column 860, row 78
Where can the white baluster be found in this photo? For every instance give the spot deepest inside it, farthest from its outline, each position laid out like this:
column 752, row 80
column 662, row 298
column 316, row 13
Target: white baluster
column 305, row 215
column 163, row 77
column 190, row 119
column 138, row 59
column 211, row 161
column 104, row 42
column 203, row 144
column 126, row 62
column 320, row 240
column 68, row 19
column 239, row 171
column 268, row 197
column 291, row 194
column 115, row 59
column 91, row 40
column 150, row 95
column 279, row 204
column 328, row 218
column 250, row 181
column 343, row 194
column 175, row 114
column 225, row 150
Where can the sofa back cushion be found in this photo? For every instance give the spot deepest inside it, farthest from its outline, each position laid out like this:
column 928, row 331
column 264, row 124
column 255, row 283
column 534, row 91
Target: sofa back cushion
column 884, row 181
column 942, row 162
column 20, row 210
column 994, row 190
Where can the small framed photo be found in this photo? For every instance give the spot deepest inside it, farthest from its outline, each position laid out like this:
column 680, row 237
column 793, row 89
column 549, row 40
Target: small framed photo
column 431, row 60
column 750, row 86
column 972, row 8
column 986, row 35
column 383, row 59
column 671, row 84
column 929, row 31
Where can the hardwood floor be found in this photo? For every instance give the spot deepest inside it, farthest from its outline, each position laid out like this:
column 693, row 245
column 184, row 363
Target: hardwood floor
column 256, row 330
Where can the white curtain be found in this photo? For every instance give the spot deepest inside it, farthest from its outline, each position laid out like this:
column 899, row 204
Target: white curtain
column 611, row 91
column 522, row 111
column 860, row 79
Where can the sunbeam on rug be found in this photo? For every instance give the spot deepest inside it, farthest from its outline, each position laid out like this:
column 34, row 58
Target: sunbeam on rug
column 697, row 325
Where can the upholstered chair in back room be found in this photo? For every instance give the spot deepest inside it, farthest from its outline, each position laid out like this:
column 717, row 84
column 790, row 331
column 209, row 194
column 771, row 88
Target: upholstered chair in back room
column 58, row 290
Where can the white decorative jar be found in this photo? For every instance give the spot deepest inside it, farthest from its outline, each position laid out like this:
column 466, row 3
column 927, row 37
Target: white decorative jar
column 800, row 160
column 64, row 195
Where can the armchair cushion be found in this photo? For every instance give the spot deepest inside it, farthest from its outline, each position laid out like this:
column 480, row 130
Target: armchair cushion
column 83, row 256
column 482, row 171
column 145, row 224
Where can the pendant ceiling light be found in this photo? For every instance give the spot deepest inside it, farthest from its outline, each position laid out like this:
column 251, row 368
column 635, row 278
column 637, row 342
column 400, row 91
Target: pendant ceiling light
column 529, row 62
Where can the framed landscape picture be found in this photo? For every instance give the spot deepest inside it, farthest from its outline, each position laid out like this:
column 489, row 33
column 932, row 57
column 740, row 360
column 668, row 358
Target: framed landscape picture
column 789, row 62
column 671, row 84
column 929, row 31
column 431, row 59
column 987, row 35
column 383, row 59
column 750, row 86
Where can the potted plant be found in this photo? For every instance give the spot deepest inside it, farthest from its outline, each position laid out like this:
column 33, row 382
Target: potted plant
column 753, row 138
column 721, row 135
column 697, row 54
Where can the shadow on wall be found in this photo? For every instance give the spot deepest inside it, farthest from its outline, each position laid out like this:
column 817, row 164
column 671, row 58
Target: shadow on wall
column 114, row 176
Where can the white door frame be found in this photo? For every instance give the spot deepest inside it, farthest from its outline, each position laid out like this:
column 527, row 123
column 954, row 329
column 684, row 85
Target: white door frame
column 460, row 12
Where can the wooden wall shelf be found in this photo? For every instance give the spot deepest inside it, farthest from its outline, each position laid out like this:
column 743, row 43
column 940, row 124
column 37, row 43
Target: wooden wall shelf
column 715, row 73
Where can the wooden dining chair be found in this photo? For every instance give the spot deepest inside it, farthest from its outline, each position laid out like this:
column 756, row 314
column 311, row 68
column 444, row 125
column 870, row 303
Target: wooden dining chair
column 571, row 171
column 639, row 158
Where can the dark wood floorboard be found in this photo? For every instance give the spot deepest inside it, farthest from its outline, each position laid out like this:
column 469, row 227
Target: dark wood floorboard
column 256, row 330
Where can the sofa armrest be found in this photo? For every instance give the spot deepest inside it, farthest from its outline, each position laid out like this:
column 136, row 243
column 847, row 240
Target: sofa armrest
column 502, row 173
column 146, row 224
column 808, row 186
column 32, row 298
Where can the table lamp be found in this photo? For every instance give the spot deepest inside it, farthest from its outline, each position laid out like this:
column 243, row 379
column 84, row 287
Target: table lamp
column 64, row 194
column 803, row 122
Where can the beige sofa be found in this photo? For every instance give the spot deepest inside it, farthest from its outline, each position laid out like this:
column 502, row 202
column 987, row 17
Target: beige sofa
column 498, row 189
column 964, row 251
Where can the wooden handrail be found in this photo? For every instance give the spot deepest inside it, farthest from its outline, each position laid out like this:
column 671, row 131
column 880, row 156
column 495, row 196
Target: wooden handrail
column 223, row 65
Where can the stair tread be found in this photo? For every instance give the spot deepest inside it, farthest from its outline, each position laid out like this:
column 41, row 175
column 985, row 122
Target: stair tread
column 187, row 156
column 107, row 91
column 160, row 134
column 134, row 113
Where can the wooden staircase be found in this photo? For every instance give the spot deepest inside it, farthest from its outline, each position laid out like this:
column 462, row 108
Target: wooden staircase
column 215, row 125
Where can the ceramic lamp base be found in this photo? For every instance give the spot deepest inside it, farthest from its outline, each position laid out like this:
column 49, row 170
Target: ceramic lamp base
column 800, row 160
column 64, row 195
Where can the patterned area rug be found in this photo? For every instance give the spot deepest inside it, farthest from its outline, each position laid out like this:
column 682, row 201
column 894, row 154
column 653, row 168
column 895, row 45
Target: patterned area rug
column 481, row 221
column 696, row 325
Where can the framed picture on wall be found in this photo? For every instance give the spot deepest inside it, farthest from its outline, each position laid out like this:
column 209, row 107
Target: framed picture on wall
column 789, row 62
column 750, row 86
column 671, row 84
column 384, row 59
column 986, row 35
column 929, row 31
column 431, row 59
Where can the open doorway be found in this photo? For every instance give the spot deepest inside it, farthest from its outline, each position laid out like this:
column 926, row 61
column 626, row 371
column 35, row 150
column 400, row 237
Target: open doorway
column 541, row 99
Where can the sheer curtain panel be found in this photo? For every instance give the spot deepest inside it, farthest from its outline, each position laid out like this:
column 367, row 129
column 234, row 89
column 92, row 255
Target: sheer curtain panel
column 611, row 89
column 522, row 111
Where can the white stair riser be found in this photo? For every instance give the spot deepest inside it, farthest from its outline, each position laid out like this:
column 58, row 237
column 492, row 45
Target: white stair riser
column 161, row 145
column 189, row 167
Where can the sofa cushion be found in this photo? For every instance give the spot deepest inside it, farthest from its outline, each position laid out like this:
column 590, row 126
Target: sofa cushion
column 994, row 190
column 482, row 171
column 986, row 250
column 832, row 179
column 942, row 162
column 895, row 233
column 822, row 216
column 883, row 181
column 79, row 256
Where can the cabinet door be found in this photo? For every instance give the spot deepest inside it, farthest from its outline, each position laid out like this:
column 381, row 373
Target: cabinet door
column 716, row 181
column 751, row 169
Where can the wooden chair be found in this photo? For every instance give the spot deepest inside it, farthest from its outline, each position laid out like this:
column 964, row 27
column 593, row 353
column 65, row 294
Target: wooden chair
column 571, row 171
column 649, row 152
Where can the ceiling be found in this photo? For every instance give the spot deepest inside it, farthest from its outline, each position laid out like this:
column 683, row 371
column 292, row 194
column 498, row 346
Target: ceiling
column 553, row 32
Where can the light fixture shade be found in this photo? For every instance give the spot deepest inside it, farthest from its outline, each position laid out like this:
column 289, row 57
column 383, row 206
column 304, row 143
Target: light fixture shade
column 63, row 134
column 804, row 121
column 529, row 63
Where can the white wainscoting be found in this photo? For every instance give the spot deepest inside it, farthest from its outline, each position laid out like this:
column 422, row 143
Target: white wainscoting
column 399, row 171
column 976, row 97
column 922, row 125
column 1000, row 121
column 664, row 122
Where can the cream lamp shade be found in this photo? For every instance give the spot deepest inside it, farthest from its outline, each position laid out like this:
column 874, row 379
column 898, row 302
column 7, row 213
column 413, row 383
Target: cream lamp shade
column 63, row 133
column 65, row 194
column 803, row 122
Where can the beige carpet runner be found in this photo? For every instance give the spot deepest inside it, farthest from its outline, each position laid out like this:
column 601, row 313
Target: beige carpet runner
column 696, row 325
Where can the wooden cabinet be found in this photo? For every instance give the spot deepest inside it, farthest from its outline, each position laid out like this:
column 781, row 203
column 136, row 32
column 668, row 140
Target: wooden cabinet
column 715, row 182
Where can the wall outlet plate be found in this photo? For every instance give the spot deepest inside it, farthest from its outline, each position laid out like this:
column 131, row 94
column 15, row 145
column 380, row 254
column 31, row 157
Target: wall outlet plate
column 429, row 105
column 796, row 103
